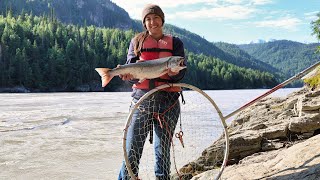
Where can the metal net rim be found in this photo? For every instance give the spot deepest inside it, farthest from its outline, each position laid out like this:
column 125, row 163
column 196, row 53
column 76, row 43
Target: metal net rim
column 182, row 85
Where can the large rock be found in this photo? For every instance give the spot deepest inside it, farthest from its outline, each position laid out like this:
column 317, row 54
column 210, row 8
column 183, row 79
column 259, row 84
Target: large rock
column 262, row 140
column 300, row 161
column 307, row 123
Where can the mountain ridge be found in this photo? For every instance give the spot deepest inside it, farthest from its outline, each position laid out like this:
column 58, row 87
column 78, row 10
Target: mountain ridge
column 81, row 12
column 229, row 53
column 94, row 12
column 288, row 56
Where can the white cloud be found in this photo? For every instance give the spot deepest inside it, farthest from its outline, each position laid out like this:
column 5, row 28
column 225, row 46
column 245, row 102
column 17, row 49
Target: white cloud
column 234, row 1
column 261, row 2
column 311, row 16
column 252, row 2
column 163, row 3
column 287, row 23
column 245, row 15
column 220, row 13
column 220, row 9
column 134, row 8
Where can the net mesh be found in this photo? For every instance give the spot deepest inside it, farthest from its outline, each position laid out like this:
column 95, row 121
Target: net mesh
column 179, row 133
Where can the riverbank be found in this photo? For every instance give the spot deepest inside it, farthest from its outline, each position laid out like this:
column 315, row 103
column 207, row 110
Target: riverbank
column 277, row 138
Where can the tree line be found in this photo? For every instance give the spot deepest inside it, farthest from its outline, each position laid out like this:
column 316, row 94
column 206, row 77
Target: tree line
column 43, row 54
column 288, row 56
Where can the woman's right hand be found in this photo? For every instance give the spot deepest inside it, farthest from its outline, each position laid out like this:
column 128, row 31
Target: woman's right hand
column 126, row 77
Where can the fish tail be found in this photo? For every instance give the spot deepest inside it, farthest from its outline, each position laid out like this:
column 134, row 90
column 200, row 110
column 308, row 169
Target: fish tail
column 105, row 75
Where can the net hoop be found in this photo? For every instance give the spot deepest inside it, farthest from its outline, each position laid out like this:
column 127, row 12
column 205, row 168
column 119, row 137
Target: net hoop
column 182, row 85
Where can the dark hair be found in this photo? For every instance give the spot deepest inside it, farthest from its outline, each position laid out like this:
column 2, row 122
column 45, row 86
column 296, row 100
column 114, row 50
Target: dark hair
column 138, row 42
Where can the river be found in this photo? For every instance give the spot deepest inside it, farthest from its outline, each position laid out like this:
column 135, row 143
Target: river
column 76, row 135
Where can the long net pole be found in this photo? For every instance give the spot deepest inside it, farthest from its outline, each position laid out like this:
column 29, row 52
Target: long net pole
column 295, row 77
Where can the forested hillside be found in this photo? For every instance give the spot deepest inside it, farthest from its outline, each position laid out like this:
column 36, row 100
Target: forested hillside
column 56, row 45
column 211, row 73
column 104, row 13
column 198, row 45
column 244, row 58
column 288, row 56
column 101, row 13
column 42, row 54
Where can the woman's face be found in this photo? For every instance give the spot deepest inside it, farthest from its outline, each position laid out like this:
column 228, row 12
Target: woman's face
column 154, row 24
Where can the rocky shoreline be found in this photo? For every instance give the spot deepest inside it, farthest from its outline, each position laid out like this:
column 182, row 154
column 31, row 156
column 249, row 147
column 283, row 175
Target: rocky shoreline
column 17, row 89
column 276, row 138
column 92, row 87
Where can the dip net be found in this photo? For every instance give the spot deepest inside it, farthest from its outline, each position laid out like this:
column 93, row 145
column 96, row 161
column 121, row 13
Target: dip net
column 184, row 125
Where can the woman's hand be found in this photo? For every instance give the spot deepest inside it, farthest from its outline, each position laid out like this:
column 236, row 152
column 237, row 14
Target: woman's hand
column 126, row 77
column 172, row 73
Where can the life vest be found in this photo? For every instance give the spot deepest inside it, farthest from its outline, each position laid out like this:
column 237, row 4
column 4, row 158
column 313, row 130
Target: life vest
column 153, row 49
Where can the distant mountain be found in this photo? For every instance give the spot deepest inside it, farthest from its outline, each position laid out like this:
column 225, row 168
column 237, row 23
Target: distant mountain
column 223, row 51
column 42, row 54
column 104, row 13
column 289, row 57
column 244, row 58
column 101, row 13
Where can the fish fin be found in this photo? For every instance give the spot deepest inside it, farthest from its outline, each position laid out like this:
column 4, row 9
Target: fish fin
column 105, row 75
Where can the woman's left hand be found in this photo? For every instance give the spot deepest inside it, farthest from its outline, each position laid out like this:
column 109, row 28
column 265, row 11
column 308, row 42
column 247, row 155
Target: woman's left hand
column 172, row 73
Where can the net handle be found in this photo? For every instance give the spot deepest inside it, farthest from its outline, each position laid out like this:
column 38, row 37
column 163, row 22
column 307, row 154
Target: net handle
column 295, row 77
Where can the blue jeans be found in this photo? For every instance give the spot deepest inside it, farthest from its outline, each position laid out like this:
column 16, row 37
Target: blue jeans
column 144, row 120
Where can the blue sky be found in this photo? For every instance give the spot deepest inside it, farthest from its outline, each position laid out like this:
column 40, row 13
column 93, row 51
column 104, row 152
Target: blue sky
column 237, row 21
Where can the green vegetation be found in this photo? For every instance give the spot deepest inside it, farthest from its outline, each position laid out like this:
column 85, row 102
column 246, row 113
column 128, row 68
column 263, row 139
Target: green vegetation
column 316, row 29
column 242, row 57
column 287, row 56
column 56, row 44
column 42, row 54
column 211, row 73
column 229, row 53
column 314, row 81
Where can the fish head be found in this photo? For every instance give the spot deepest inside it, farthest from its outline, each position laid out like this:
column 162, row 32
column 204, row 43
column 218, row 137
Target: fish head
column 176, row 63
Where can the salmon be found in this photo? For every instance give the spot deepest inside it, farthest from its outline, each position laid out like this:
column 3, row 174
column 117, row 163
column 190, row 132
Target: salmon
column 143, row 69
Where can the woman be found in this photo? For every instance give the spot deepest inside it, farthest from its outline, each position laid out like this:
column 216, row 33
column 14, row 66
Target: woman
column 160, row 114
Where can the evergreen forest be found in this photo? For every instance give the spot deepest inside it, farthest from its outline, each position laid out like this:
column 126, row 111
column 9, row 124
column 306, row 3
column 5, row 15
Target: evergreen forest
column 288, row 57
column 43, row 54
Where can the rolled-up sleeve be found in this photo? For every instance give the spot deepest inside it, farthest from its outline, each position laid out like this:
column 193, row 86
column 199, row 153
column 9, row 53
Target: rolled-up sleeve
column 131, row 56
column 178, row 50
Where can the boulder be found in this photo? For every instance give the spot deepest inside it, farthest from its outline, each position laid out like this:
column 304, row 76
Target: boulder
column 276, row 138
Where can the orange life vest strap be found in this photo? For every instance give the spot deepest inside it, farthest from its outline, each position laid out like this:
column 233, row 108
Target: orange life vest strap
column 155, row 50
